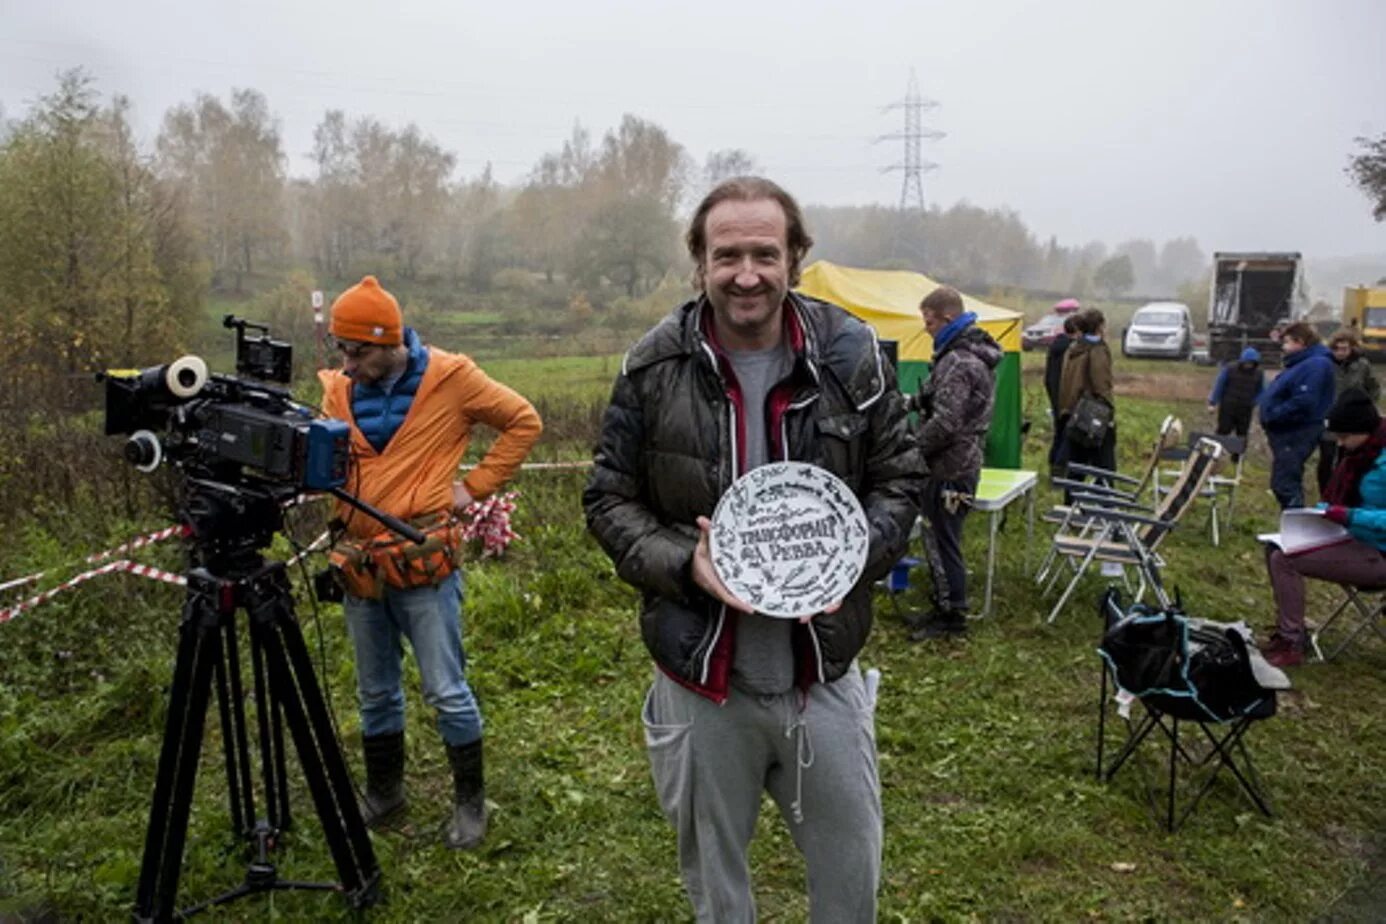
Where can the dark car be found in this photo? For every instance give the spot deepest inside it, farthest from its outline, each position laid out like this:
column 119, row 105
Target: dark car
column 1042, row 333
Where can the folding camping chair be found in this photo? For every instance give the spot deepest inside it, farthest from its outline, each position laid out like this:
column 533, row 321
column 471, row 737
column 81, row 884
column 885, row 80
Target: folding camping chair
column 1106, row 529
column 1127, row 487
column 1221, row 490
column 1185, row 671
column 1354, row 616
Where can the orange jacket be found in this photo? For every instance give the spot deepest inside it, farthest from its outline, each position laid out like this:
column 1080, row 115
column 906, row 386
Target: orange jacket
column 414, row 475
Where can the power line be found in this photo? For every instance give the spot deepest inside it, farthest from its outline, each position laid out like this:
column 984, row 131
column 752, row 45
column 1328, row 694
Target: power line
column 914, row 166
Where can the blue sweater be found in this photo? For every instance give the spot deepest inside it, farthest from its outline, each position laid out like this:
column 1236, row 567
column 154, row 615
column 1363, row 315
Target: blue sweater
column 380, row 412
column 1302, row 394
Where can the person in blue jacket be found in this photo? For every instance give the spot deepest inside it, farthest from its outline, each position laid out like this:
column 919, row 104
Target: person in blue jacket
column 1292, row 410
column 1235, row 393
column 1356, row 498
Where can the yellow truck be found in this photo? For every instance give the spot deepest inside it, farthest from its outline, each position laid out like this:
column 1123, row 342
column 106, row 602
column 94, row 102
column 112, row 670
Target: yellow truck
column 1364, row 310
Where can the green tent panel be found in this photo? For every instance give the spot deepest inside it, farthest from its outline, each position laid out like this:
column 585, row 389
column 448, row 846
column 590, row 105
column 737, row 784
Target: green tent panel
column 889, row 300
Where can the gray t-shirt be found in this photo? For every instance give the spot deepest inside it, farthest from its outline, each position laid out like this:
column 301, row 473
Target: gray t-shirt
column 764, row 660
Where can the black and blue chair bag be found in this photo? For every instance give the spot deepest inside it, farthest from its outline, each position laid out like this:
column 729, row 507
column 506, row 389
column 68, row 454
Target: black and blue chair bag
column 1185, row 671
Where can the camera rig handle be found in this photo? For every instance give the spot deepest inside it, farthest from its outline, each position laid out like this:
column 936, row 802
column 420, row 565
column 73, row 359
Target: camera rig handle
column 394, row 523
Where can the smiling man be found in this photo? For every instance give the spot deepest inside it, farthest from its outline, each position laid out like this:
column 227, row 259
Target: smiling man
column 742, row 703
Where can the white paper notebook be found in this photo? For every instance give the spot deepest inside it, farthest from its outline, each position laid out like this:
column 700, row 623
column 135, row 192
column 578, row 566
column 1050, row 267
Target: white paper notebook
column 1304, row 529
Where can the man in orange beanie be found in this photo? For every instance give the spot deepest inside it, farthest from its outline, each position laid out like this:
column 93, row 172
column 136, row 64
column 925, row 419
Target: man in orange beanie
column 411, row 409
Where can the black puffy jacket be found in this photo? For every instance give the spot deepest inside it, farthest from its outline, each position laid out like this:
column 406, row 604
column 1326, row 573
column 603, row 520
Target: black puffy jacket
column 668, row 450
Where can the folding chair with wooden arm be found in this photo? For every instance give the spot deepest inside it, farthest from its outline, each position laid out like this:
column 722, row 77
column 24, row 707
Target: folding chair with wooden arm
column 1220, row 488
column 1353, row 617
column 1115, row 531
column 1122, row 487
column 1130, row 487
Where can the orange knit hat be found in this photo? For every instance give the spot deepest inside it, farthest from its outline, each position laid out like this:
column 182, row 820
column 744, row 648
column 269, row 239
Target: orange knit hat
column 367, row 313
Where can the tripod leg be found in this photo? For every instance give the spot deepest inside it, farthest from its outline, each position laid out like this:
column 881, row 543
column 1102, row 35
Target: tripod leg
column 271, row 739
column 231, row 703
column 294, row 688
column 199, row 651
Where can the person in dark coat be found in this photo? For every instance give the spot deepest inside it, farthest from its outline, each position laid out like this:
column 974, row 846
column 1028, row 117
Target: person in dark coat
column 1351, row 369
column 1088, row 371
column 1235, row 392
column 1292, row 410
column 1053, row 373
column 742, row 703
column 955, row 405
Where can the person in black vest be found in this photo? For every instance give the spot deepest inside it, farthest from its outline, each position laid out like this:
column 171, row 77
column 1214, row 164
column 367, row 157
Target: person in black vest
column 1234, row 394
column 1053, row 372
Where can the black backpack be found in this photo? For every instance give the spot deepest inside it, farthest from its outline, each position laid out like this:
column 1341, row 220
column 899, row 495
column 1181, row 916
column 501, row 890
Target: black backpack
column 1188, row 668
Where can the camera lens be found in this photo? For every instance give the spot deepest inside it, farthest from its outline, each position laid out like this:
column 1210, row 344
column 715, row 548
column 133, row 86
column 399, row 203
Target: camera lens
column 184, row 377
column 142, row 450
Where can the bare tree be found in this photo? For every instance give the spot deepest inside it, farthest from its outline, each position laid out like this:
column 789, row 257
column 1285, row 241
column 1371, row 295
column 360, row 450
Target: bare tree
column 1368, row 172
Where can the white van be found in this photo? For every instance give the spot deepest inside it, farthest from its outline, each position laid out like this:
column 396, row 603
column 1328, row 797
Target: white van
column 1159, row 329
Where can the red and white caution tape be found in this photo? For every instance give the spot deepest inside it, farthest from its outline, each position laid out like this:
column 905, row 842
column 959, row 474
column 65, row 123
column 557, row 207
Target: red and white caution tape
column 180, row 530
column 125, row 565
column 310, row 548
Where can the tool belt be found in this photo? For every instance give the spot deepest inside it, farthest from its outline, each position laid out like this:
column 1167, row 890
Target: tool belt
column 369, row 564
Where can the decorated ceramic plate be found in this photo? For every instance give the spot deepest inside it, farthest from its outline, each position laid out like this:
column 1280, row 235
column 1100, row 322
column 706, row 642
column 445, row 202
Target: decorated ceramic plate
column 789, row 538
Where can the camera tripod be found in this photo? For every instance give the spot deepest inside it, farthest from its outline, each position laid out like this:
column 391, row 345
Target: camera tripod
column 230, row 525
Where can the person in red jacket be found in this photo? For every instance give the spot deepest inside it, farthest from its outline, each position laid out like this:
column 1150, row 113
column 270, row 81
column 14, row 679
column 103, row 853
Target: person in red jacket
column 411, row 409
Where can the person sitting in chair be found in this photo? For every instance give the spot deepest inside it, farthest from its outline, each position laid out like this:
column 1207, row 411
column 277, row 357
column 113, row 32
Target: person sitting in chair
column 1356, row 498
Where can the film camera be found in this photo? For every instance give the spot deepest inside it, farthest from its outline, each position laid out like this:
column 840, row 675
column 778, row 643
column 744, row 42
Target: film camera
column 227, row 427
column 244, row 449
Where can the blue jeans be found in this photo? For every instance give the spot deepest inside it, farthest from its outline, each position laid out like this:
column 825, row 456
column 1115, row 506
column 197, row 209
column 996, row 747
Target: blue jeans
column 431, row 618
column 1290, row 449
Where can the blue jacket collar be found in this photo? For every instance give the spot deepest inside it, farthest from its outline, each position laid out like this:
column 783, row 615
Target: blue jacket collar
column 1294, row 359
column 952, row 329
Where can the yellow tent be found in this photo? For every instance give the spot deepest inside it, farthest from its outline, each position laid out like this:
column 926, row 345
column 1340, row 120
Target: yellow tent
column 889, row 300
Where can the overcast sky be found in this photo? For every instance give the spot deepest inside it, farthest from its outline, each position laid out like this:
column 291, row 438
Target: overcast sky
column 1230, row 121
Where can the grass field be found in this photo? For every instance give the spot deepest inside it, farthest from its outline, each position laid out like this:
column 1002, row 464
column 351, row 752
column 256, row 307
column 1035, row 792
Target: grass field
column 986, row 745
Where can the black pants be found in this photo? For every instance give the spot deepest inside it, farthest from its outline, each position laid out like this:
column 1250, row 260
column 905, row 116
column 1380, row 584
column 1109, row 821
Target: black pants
column 1236, row 421
column 1103, row 456
column 943, row 541
column 1058, row 448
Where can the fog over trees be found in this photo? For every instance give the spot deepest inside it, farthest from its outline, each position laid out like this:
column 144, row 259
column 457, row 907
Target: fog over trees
column 597, row 210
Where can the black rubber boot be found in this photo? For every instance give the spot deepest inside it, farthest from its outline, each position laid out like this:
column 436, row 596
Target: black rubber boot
column 947, row 624
column 467, row 826
column 384, row 800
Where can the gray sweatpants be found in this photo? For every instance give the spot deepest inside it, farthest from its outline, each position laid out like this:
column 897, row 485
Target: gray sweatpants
column 711, row 763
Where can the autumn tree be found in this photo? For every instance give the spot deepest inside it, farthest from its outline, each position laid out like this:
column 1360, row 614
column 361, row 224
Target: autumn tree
column 228, row 163
column 87, row 268
column 380, row 195
column 1145, row 263
column 1181, row 260
column 471, row 228
column 1114, row 275
column 419, row 177
column 334, row 204
column 725, row 164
